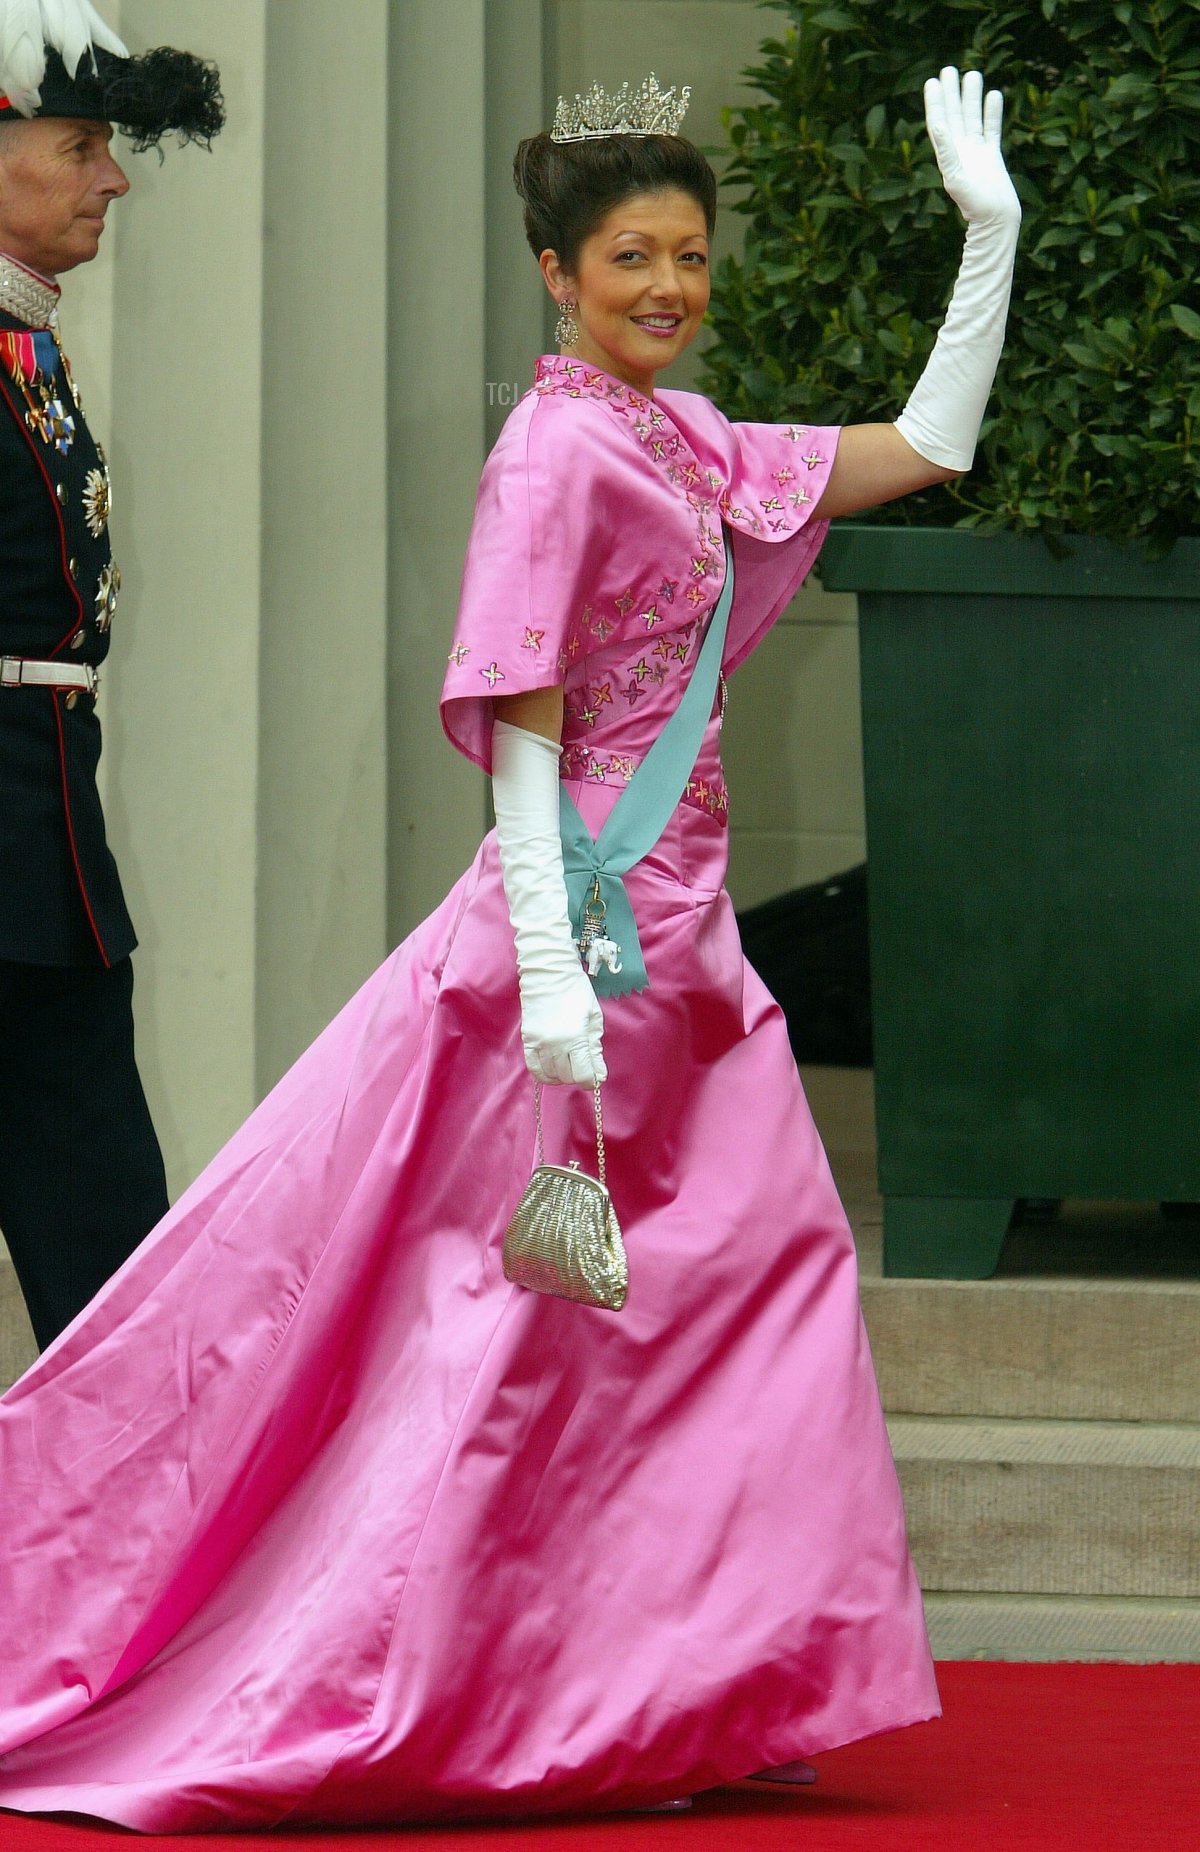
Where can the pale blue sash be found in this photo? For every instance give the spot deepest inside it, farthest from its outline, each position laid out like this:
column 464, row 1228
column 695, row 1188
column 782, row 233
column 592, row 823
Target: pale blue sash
column 643, row 810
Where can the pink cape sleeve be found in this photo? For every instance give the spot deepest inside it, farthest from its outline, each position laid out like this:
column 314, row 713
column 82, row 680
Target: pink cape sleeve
column 543, row 525
column 772, row 566
column 775, row 474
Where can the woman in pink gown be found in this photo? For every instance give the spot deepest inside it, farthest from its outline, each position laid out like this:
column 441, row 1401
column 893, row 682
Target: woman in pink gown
column 312, row 1516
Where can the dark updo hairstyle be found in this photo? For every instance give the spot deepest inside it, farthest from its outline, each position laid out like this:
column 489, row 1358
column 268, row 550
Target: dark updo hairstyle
column 569, row 188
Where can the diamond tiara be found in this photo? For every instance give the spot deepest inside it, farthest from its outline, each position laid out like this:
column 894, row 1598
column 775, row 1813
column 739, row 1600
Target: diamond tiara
column 648, row 110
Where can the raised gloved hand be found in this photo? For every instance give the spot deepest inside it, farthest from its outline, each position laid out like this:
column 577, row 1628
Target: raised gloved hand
column 964, row 127
column 561, row 1022
column 943, row 415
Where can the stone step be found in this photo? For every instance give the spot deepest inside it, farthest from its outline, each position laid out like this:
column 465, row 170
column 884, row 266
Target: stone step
column 1048, row 1627
column 1052, row 1507
column 1055, row 1349
column 1091, row 1315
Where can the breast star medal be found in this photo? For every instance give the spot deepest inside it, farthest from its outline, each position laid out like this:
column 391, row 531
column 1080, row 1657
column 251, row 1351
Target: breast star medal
column 97, row 500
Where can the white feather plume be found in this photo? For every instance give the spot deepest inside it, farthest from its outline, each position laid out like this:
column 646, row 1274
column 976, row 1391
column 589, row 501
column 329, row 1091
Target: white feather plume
column 71, row 27
column 22, row 53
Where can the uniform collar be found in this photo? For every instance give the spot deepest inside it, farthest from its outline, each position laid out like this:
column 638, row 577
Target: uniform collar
column 26, row 296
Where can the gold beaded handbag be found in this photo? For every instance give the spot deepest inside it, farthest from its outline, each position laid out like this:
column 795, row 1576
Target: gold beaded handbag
column 564, row 1237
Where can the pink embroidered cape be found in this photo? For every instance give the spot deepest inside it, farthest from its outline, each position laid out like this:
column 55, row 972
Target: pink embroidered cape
column 597, row 555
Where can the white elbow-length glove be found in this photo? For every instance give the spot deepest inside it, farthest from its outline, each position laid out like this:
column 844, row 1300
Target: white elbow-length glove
column 942, row 418
column 561, row 1022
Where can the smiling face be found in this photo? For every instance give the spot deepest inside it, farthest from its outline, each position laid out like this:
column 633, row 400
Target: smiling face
column 641, row 283
column 57, row 181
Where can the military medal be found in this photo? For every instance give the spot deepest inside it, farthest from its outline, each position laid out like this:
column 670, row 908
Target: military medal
column 107, row 592
column 66, row 369
column 56, row 424
column 31, row 362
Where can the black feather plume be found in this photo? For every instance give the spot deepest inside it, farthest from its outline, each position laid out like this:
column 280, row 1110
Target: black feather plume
column 159, row 93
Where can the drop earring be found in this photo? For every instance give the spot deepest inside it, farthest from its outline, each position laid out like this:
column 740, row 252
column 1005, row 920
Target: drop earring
column 567, row 331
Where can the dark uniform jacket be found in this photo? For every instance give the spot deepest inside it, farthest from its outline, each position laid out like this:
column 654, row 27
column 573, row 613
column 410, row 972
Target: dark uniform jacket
column 60, row 895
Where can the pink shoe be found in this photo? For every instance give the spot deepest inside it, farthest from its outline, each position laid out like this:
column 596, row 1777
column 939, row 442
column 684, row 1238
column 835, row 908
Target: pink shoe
column 679, row 1805
column 794, row 1774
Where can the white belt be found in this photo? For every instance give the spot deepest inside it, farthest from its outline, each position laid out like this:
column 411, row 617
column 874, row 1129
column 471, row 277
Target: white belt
column 22, row 672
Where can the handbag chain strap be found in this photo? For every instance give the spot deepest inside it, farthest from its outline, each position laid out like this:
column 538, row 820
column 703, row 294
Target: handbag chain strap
column 537, row 1114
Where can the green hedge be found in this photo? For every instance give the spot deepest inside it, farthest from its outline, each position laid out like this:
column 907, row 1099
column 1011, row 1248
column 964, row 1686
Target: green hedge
column 852, row 247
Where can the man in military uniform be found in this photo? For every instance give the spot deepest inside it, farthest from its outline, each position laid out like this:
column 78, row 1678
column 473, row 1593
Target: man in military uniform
column 81, row 1174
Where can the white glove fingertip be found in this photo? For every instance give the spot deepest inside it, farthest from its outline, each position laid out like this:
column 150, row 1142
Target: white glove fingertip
column 972, row 103
column 993, row 116
column 952, row 98
column 937, row 128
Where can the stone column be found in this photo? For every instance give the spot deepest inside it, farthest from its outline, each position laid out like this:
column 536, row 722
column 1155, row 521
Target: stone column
column 519, row 319
column 322, row 846
column 437, row 416
column 181, row 702
column 244, row 710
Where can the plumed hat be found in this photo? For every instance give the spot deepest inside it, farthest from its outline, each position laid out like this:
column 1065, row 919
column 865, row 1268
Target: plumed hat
column 58, row 58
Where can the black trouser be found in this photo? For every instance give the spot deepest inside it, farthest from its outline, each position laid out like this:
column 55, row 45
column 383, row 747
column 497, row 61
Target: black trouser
column 81, row 1174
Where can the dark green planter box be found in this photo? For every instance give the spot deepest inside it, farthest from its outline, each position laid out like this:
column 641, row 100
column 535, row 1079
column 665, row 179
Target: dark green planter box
column 1031, row 738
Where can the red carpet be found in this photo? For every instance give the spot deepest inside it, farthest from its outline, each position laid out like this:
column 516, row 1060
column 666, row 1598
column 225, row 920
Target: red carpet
column 1028, row 1758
